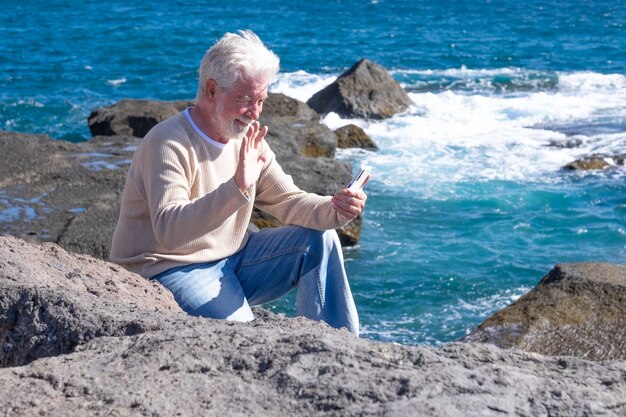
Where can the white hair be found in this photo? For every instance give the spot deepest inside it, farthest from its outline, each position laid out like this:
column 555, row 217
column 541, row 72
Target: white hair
column 235, row 56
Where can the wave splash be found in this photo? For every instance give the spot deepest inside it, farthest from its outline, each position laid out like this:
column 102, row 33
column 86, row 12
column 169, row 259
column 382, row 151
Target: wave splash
column 507, row 124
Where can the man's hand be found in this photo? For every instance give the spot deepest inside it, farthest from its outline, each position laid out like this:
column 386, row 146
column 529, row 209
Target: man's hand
column 251, row 161
column 349, row 203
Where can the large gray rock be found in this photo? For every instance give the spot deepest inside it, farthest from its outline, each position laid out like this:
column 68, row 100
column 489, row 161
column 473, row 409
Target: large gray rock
column 280, row 105
column 576, row 310
column 366, row 90
column 52, row 301
column 289, row 136
column 172, row 364
column 130, row 117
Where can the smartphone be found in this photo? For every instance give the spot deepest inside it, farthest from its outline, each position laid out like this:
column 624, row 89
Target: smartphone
column 358, row 181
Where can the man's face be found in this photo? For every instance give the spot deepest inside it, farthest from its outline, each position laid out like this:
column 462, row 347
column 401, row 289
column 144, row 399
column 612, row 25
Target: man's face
column 239, row 106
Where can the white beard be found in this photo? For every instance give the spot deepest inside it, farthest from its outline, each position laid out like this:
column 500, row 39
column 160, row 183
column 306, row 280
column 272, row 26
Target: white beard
column 232, row 130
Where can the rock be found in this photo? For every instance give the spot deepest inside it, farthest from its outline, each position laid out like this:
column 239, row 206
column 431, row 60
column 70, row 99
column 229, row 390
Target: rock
column 181, row 105
column 366, row 90
column 280, row 105
column 322, row 176
column 63, row 192
column 567, row 143
column 130, row 117
column 352, row 136
column 300, row 136
column 172, row 364
column 596, row 161
column 576, row 310
column 52, row 301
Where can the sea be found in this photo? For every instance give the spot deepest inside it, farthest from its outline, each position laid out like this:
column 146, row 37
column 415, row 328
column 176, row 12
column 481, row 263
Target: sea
column 468, row 206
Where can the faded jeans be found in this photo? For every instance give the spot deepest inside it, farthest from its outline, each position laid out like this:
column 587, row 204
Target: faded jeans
column 272, row 262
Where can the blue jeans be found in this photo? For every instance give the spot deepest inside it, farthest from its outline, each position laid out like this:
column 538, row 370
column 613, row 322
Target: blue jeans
column 272, row 262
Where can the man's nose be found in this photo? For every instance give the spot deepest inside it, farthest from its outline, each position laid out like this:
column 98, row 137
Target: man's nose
column 254, row 111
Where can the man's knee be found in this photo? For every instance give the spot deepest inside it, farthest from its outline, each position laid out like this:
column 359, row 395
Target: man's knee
column 322, row 240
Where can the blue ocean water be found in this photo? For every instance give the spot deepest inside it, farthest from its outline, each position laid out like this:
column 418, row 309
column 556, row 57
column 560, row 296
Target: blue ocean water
column 468, row 207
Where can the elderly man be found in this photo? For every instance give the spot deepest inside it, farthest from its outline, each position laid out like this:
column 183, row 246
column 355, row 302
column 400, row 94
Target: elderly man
column 189, row 194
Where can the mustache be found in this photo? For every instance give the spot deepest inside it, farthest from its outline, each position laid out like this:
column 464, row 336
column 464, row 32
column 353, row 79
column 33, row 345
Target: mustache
column 245, row 119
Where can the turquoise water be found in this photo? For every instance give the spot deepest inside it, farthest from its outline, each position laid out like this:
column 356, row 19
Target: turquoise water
column 468, row 207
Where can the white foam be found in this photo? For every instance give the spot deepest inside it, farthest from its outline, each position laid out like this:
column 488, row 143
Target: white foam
column 591, row 81
column 300, row 84
column 452, row 136
column 117, row 81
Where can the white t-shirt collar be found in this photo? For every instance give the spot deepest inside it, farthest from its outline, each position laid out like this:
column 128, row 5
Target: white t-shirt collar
column 200, row 132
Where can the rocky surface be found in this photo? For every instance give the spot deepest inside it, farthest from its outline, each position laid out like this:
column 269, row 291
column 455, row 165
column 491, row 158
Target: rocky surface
column 576, row 310
column 168, row 363
column 62, row 192
column 52, row 301
column 132, row 117
column 366, row 90
column 352, row 136
column 596, row 161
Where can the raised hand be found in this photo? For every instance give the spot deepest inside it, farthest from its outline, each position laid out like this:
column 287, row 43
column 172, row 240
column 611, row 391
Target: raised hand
column 251, row 160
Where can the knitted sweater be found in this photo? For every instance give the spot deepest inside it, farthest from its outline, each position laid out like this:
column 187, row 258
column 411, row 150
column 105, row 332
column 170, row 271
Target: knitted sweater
column 181, row 204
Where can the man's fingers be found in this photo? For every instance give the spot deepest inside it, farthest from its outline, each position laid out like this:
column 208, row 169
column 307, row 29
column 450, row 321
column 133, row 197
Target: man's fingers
column 355, row 197
column 346, row 214
column 260, row 135
column 251, row 131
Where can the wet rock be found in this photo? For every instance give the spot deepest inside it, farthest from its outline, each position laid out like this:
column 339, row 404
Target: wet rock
column 62, row 192
column 130, row 117
column 568, row 143
column 366, row 91
column 595, row 162
column 576, row 310
column 273, row 366
column 352, row 136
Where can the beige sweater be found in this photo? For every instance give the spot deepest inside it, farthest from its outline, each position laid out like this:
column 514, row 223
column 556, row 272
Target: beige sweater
column 181, row 204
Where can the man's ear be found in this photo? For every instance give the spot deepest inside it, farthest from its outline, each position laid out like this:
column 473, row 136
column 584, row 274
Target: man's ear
column 210, row 88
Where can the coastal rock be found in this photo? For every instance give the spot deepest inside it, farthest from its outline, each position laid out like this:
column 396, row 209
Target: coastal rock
column 130, row 117
column 280, row 105
column 576, row 310
column 63, row 192
column 567, row 143
column 352, row 136
column 596, row 161
column 288, row 135
column 174, row 364
column 366, row 90
column 52, row 301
